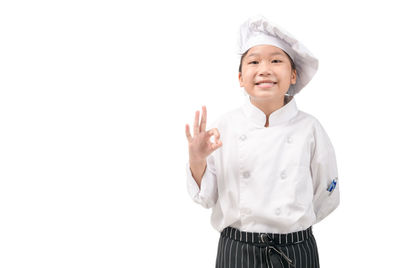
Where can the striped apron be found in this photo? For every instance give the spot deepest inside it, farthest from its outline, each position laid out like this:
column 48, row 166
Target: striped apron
column 237, row 249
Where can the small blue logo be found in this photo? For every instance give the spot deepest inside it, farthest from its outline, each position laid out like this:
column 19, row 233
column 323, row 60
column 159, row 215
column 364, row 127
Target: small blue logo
column 332, row 186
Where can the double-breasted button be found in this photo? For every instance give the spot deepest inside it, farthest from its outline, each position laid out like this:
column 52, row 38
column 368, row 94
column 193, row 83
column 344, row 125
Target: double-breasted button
column 243, row 137
column 283, row 175
column 289, row 139
column 246, row 174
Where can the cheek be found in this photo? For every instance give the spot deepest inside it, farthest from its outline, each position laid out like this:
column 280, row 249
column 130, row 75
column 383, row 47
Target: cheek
column 249, row 76
column 249, row 80
column 286, row 73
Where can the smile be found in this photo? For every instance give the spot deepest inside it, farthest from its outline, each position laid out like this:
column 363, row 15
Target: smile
column 265, row 85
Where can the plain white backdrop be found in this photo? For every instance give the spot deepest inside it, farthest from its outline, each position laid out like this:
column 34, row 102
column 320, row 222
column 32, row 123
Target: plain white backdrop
column 94, row 98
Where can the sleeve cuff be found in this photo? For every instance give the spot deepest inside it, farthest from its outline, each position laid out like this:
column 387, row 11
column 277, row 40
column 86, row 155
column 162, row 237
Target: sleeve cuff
column 193, row 188
column 327, row 205
column 203, row 195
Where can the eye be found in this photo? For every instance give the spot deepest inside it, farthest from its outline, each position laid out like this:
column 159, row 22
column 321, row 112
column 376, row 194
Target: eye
column 254, row 61
column 277, row 60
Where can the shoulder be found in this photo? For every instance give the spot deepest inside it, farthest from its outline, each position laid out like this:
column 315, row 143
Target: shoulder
column 310, row 120
column 320, row 138
column 313, row 126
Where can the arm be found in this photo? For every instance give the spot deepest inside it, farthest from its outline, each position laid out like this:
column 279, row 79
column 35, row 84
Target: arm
column 201, row 171
column 203, row 191
column 324, row 171
column 197, row 169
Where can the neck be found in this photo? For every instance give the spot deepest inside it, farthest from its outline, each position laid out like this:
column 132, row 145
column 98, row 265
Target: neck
column 269, row 106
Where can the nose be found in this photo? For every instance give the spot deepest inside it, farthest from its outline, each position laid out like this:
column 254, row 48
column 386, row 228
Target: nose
column 264, row 68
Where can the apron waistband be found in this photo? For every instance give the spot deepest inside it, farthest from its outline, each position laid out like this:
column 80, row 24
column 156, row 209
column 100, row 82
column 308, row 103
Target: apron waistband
column 259, row 238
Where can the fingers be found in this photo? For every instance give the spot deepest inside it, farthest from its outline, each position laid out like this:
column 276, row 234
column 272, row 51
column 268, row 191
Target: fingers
column 202, row 127
column 187, row 130
column 196, row 123
column 203, row 119
column 215, row 132
column 217, row 142
column 216, row 145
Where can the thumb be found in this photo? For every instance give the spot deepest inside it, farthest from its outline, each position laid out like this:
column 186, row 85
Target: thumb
column 216, row 145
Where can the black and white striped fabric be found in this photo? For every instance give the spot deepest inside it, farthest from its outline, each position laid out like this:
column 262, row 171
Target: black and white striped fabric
column 238, row 249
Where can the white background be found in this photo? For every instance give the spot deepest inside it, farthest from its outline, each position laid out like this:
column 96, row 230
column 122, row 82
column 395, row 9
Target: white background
column 94, row 98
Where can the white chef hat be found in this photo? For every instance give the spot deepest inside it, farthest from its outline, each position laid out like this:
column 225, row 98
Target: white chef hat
column 258, row 30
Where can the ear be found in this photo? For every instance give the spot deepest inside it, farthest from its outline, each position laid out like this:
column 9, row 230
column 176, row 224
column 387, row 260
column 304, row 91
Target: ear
column 293, row 77
column 240, row 79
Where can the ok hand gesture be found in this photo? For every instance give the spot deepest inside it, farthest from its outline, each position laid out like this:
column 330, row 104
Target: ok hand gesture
column 200, row 146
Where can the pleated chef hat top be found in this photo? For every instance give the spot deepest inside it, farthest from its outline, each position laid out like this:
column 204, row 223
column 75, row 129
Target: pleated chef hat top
column 258, row 30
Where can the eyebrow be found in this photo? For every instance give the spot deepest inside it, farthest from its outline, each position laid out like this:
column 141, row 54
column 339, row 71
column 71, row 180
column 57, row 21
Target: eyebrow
column 272, row 54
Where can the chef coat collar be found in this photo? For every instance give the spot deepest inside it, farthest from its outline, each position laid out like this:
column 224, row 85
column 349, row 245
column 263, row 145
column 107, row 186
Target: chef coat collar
column 280, row 116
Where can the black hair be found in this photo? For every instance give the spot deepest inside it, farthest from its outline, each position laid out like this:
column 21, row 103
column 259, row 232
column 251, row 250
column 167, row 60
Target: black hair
column 244, row 55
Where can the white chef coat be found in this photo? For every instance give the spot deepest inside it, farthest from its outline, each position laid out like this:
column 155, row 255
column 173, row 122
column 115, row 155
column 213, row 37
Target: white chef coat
column 268, row 179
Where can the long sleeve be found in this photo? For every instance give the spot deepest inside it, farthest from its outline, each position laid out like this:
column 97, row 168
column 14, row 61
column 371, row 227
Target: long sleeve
column 324, row 171
column 207, row 195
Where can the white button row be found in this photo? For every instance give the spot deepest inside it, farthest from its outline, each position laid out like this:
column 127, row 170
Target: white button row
column 246, row 174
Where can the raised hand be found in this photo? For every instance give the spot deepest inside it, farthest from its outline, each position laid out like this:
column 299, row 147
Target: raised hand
column 200, row 145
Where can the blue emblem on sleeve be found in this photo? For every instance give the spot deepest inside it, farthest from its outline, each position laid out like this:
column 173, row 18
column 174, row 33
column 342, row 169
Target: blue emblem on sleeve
column 332, row 186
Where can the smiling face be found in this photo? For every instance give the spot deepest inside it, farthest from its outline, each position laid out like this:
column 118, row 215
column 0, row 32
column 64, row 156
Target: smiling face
column 266, row 74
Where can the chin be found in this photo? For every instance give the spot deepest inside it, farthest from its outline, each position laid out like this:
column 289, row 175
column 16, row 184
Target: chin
column 266, row 97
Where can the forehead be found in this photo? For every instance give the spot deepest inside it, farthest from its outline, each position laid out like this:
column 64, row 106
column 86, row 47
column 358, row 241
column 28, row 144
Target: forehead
column 265, row 50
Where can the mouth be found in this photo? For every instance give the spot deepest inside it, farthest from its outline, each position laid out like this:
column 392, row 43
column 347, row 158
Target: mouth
column 266, row 84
